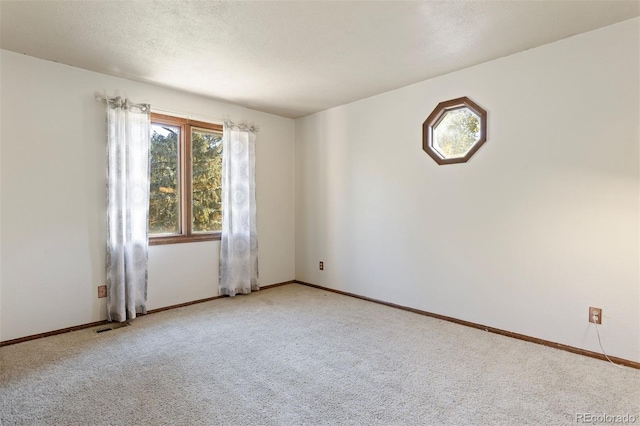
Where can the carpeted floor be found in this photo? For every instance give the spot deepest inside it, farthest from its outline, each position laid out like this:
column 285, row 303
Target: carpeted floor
column 295, row 355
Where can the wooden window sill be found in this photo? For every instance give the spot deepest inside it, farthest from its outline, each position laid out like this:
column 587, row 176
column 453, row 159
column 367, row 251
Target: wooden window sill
column 179, row 239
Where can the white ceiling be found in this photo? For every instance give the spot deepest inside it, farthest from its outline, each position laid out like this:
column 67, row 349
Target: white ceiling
column 291, row 58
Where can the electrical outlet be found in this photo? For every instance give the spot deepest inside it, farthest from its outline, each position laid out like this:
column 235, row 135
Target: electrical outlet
column 102, row 291
column 322, row 266
column 597, row 313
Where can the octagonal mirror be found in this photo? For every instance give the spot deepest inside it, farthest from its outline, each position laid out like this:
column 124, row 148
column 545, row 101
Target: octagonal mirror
column 454, row 131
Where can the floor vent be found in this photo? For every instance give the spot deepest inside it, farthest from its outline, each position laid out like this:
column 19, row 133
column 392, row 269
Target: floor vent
column 112, row 327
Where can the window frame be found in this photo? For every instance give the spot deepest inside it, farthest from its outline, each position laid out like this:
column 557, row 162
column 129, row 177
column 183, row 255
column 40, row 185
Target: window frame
column 436, row 117
column 185, row 174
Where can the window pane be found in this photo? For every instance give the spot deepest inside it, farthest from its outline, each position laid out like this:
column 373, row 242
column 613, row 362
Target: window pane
column 206, row 180
column 456, row 133
column 164, row 205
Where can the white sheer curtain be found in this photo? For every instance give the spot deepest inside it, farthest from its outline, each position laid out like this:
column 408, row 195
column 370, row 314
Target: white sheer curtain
column 239, row 245
column 127, row 208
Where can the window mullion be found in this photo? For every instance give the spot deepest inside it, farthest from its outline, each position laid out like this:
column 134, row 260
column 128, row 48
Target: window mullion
column 184, row 181
column 188, row 201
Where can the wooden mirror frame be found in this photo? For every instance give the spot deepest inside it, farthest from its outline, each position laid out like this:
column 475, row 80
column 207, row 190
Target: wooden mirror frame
column 436, row 116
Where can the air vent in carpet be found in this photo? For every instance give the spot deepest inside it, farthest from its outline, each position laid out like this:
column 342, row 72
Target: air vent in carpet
column 112, row 327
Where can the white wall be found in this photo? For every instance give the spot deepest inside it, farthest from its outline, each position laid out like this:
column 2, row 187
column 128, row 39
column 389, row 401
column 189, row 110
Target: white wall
column 53, row 198
column 539, row 225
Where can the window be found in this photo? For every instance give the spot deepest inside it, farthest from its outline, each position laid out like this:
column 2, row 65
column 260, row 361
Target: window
column 454, row 131
column 185, row 200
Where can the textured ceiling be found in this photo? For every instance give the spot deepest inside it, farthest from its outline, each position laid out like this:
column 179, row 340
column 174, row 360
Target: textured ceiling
column 291, row 58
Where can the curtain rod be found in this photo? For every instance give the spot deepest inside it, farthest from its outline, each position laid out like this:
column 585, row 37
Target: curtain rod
column 120, row 101
column 101, row 98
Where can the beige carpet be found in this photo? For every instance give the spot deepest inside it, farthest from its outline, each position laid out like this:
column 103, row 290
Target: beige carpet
column 295, row 355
